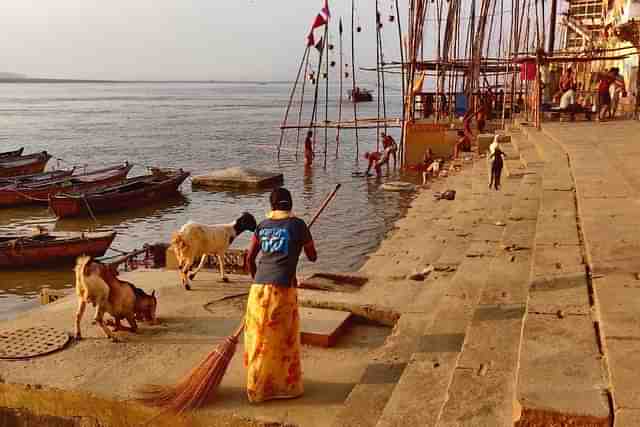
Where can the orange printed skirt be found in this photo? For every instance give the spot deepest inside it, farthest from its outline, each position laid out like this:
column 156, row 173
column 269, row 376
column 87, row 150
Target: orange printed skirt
column 272, row 344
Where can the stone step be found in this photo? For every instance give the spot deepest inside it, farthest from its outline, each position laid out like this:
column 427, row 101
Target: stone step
column 422, row 389
column 445, row 241
column 483, row 388
column 527, row 151
column 559, row 337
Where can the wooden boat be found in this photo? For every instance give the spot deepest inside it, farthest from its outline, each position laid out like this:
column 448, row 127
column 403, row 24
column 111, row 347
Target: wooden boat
column 360, row 95
column 134, row 192
column 43, row 248
column 24, row 165
column 24, row 194
column 37, row 177
column 14, row 153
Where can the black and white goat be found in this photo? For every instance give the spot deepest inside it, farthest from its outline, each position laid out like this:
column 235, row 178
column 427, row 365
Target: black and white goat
column 195, row 241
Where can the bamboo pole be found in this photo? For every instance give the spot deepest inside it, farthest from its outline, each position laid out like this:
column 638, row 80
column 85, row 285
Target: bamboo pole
column 341, row 72
column 403, row 84
column 304, row 82
column 378, row 71
column 293, row 91
column 315, row 96
column 353, row 75
column 326, row 91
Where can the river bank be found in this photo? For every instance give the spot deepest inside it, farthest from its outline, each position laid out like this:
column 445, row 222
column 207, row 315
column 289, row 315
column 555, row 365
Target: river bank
column 199, row 127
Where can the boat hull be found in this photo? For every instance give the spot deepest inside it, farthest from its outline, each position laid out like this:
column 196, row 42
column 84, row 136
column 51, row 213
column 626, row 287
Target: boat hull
column 25, row 195
column 23, row 165
column 54, row 249
column 67, row 206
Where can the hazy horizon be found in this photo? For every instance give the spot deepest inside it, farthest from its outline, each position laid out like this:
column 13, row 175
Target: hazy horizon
column 241, row 40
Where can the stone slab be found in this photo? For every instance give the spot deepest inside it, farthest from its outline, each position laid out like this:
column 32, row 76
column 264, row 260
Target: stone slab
column 558, row 259
column 322, row 327
column 566, row 293
column 421, row 391
column 622, row 356
column 555, row 229
column 561, row 368
column 238, row 178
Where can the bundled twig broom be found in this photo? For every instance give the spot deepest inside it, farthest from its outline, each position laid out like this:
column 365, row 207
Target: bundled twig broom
column 194, row 390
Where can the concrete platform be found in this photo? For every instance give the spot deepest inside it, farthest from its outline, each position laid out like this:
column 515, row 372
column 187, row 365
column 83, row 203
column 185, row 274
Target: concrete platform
column 238, row 178
column 94, row 379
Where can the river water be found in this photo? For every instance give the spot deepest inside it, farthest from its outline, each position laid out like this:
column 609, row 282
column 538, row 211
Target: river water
column 198, row 127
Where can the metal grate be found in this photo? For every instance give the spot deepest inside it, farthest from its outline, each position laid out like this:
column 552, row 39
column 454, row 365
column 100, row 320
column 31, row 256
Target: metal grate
column 31, row 342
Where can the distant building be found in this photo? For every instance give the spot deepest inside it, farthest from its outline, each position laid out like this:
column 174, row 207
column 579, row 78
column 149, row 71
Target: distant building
column 585, row 20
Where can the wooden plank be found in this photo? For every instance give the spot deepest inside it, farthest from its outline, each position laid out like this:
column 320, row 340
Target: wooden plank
column 322, row 327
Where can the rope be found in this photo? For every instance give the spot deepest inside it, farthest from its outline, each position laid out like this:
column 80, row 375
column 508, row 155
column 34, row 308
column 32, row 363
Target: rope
column 26, row 196
column 86, row 202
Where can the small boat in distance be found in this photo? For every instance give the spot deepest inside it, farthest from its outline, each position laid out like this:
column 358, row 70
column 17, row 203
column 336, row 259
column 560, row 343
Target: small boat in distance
column 34, row 193
column 360, row 95
column 133, row 192
column 14, row 153
column 42, row 247
column 23, row 165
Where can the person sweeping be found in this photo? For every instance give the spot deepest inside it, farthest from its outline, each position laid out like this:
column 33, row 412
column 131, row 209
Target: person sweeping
column 272, row 324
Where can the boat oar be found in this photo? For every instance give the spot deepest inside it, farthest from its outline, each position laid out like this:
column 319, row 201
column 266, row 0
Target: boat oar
column 204, row 379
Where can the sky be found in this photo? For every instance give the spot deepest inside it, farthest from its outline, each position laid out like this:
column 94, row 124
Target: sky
column 183, row 39
column 169, row 39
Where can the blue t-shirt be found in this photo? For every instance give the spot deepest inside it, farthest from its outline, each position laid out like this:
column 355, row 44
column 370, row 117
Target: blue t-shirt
column 281, row 242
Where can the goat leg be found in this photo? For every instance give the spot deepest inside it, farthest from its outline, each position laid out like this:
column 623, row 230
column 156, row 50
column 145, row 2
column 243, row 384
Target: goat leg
column 192, row 275
column 79, row 313
column 221, row 265
column 100, row 322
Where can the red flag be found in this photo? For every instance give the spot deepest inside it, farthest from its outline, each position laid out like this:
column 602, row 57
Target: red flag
column 319, row 22
column 310, row 39
column 325, row 10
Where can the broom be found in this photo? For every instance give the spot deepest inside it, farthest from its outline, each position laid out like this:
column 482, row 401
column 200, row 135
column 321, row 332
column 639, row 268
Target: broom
column 194, row 390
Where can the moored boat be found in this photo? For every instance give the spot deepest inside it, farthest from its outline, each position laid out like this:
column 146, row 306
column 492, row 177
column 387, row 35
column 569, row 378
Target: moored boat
column 133, row 192
column 36, row 178
column 14, row 153
column 23, row 165
column 24, row 194
column 44, row 248
column 360, row 95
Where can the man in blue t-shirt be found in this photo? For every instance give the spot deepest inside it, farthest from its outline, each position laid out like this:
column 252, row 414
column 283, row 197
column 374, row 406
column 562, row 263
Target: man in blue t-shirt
column 281, row 238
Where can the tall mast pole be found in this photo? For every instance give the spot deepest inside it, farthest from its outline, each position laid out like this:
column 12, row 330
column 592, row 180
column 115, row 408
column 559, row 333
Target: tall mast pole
column 326, row 90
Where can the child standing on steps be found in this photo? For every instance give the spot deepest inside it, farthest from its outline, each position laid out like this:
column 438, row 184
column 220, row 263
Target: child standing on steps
column 496, row 159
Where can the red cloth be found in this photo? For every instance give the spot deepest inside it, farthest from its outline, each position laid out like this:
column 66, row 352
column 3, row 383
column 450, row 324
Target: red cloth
column 528, row 71
column 603, row 85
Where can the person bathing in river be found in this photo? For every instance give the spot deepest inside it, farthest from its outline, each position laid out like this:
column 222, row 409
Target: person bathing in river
column 272, row 353
column 373, row 158
column 390, row 149
column 496, row 159
column 308, row 149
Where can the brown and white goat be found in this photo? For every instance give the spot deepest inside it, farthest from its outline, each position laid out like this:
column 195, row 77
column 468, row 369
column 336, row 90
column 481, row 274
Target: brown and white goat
column 197, row 241
column 99, row 285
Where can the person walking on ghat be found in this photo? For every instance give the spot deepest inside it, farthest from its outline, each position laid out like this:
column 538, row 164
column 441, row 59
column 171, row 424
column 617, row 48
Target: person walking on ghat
column 272, row 324
column 496, row 157
column 308, row 149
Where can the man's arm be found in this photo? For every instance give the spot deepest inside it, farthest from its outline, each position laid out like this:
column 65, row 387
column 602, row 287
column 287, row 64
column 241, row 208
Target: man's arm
column 310, row 251
column 252, row 254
